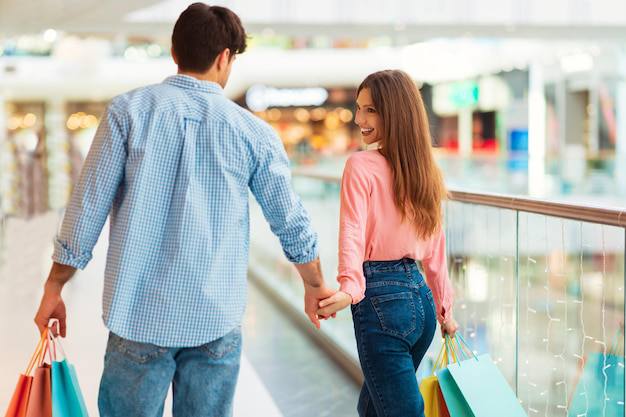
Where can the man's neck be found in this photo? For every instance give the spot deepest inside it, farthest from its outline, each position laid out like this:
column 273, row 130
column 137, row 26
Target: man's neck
column 202, row 76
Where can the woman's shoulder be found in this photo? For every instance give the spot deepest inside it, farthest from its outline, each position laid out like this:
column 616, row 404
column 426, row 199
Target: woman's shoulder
column 365, row 158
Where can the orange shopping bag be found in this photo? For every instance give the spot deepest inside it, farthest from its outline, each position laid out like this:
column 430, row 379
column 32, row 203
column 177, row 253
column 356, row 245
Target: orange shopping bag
column 40, row 398
column 19, row 402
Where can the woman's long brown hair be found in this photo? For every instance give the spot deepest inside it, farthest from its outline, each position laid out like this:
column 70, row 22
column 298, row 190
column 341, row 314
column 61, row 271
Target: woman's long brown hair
column 406, row 145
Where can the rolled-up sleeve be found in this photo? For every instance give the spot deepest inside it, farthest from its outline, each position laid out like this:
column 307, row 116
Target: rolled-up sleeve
column 93, row 195
column 270, row 184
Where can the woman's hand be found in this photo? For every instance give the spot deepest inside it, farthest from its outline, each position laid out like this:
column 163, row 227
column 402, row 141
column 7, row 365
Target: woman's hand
column 449, row 327
column 312, row 297
column 331, row 305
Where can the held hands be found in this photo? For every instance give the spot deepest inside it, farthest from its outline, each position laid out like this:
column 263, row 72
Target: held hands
column 331, row 305
column 312, row 298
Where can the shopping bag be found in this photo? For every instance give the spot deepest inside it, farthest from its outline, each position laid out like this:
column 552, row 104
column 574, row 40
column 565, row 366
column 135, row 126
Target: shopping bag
column 484, row 388
column 19, row 400
column 67, row 398
column 482, row 385
column 600, row 390
column 434, row 405
column 18, row 405
column 40, row 399
column 453, row 398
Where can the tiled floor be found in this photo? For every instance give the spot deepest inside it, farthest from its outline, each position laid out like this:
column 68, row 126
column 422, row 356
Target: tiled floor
column 282, row 373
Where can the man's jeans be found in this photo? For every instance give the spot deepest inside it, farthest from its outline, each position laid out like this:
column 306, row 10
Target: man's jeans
column 394, row 325
column 137, row 377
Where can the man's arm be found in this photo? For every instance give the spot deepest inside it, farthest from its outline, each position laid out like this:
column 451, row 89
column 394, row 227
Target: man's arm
column 52, row 305
column 311, row 273
column 271, row 185
column 95, row 191
column 86, row 214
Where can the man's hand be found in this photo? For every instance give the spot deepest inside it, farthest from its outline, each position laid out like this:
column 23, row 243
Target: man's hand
column 51, row 307
column 315, row 289
column 312, row 297
column 331, row 305
column 449, row 327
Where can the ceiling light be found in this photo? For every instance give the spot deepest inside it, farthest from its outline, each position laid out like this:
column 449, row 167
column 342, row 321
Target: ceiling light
column 50, row 35
column 579, row 62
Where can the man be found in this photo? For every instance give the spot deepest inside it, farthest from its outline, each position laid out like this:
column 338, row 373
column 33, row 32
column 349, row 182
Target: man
column 173, row 163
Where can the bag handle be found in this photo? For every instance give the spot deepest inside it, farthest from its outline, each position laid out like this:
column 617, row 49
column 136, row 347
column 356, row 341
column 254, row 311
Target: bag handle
column 36, row 356
column 459, row 348
column 442, row 358
column 451, row 349
column 465, row 346
column 46, row 350
column 55, row 342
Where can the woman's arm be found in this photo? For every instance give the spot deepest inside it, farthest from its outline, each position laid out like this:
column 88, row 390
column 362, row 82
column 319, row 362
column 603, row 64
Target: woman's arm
column 436, row 269
column 355, row 192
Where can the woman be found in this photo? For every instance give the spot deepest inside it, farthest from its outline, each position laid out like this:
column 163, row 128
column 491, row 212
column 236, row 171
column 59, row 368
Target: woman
column 390, row 217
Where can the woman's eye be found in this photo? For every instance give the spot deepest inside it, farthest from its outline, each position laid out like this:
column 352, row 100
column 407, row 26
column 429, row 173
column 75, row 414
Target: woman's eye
column 370, row 110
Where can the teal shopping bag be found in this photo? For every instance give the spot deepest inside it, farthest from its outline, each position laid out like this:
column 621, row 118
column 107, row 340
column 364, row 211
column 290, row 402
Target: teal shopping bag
column 600, row 390
column 484, row 388
column 455, row 402
column 473, row 386
column 67, row 398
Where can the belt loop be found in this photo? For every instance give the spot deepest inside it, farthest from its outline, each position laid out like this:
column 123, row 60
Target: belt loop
column 407, row 268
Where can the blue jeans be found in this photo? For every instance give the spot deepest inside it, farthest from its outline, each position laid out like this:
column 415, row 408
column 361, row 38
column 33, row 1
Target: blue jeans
column 137, row 377
column 394, row 325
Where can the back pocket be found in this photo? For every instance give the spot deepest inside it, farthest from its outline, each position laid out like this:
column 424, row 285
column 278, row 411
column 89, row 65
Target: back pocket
column 136, row 351
column 396, row 312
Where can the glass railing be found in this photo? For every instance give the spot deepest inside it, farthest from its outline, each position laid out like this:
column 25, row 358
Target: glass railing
column 573, row 179
column 538, row 285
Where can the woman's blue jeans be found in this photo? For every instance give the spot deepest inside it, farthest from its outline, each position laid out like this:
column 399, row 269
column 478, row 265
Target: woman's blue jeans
column 394, row 325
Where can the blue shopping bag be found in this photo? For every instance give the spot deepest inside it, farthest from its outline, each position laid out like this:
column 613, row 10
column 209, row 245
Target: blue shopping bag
column 484, row 388
column 455, row 402
column 452, row 395
column 600, row 390
column 67, row 398
column 475, row 387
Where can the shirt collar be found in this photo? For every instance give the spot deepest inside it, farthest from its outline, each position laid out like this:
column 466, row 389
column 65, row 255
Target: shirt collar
column 188, row 82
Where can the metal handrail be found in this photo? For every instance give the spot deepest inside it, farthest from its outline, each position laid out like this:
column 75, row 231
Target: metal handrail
column 580, row 212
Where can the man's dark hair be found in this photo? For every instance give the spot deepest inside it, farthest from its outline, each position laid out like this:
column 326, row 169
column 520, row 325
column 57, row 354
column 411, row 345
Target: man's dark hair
column 202, row 32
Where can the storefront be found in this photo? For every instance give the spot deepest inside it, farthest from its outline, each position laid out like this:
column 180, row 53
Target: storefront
column 23, row 161
column 313, row 122
column 468, row 115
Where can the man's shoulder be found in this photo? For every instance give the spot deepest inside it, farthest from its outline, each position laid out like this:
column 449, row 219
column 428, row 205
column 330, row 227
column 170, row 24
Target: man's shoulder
column 145, row 97
column 248, row 123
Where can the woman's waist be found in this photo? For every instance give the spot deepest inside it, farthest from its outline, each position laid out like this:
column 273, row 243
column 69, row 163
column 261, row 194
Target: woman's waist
column 401, row 272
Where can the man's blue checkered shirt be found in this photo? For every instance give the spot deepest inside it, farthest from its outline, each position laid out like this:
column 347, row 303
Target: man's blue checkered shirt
column 172, row 163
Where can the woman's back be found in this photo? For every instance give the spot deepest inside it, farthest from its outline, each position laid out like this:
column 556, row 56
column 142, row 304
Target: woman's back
column 387, row 236
column 372, row 229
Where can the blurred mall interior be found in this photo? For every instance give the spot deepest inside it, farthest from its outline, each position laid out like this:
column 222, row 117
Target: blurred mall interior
column 527, row 105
